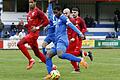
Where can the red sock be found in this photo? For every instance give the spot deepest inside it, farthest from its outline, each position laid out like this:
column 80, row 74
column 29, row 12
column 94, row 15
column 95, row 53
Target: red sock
column 76, row 53
column 85, row 53
column 24, row 51
column 39, row 54
column 42, row 57
column 75, row 65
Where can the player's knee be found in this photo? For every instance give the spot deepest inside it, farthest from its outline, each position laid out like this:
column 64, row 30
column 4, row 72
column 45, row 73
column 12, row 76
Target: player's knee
column 21, row 42
column 59, row 54
column 44, row 44
column 18, row 44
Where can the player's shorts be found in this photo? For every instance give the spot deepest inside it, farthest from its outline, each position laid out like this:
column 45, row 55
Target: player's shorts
column 57, row 47
column 54, row 50
column 31, row 40
column 49, row 39
column 71, row 47
column 61, row 46
column 78, row 45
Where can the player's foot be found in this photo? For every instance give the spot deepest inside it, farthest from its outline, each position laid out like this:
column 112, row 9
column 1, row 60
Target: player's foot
column 47, row 77
column 40, row 61
column 54, row 67
column 56, row 78
column 90, row 55
column 83, row 63
column 76, row 71
column 30, row 65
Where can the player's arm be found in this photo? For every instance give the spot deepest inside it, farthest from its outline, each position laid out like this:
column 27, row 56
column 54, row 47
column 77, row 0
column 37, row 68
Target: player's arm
column 75, row 29
column 73, row 33
column 84, row 28
column 44, row 20
column 50, row 11
column 68, row 23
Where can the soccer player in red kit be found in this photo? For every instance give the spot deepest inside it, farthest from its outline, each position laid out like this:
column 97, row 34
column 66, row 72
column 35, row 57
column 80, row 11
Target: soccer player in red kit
column 80, row 24
column 74, row 43
column 72, row 37
column 36, row 19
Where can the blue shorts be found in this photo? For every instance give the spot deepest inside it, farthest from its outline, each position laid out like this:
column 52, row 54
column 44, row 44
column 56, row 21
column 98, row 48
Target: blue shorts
column 49, row 39
column 59, row 46
column 54, row 50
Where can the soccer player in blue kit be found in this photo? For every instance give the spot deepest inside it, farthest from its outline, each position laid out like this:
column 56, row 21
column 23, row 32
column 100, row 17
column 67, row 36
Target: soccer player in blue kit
column 61, row 42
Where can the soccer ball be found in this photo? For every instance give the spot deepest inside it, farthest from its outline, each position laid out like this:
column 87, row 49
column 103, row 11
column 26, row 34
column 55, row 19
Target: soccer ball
column 55, row 74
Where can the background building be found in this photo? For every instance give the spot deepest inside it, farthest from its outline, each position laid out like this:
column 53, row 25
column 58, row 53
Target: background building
column 101, row 10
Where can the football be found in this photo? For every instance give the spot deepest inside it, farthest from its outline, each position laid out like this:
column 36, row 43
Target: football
column 55, row 74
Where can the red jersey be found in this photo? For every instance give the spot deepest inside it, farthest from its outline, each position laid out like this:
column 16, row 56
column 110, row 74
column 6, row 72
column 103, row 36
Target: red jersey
column 36, row 18
column 70, row 32
column 80, row 24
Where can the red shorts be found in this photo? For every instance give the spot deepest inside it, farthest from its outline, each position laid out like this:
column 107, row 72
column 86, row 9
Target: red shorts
column 71, row 47
column 74, row 47
column 78, row 45
column 31, row 40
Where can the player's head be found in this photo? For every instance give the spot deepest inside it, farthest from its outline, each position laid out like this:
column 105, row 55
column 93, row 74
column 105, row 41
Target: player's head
column 75, row 12
column 66, row 12
column 32, row 4
column 57, row 11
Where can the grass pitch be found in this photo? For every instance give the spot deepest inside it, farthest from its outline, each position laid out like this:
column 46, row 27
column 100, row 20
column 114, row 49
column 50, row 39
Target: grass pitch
column 106, row 66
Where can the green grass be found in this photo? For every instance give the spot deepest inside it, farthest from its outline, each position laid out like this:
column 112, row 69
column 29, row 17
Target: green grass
column 106, row 66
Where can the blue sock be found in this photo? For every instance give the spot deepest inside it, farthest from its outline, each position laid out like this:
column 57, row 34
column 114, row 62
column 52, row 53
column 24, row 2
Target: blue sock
column 49, row 65
column 70, row 57
column 44, row 51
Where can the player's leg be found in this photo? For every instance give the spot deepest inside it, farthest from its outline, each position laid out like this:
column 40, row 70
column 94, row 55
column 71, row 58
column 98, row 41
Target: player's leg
column 35, row 48
column 76, row 67
column 44, row 44
column 21, row 46
column 49, row 63
column 82, row 53
column 47, row 40
column 70, row 49
column 61, row 52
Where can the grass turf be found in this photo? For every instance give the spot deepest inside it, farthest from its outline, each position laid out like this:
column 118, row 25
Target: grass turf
column 106, row 66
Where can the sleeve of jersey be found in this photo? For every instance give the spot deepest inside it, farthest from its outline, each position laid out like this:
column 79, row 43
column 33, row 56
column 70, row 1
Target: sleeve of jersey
column 68, row 23
column 45, row 20
column 84, row 29
column 73, row 33
column 50, row 12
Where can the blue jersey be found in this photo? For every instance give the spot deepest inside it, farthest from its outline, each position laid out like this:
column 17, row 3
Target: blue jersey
column 51, row 27
column 51, row 17
column 61, row 29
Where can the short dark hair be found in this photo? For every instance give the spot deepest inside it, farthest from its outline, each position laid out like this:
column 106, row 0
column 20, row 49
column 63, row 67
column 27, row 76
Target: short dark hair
column 75, row 9
column 57, row 7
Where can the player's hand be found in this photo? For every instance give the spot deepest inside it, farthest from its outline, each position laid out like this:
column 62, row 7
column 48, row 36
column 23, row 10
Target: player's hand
column 72, row 39
column 34, row 29
column 82, row 36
